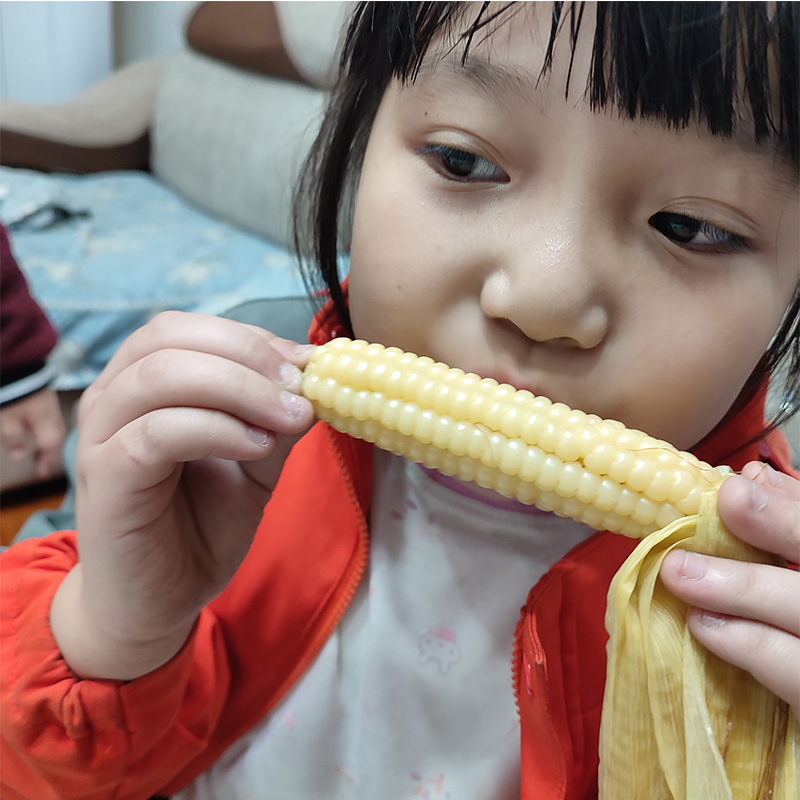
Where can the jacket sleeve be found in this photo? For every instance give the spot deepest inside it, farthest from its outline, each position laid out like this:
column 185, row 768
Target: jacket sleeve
column 63, row 737
column 26, row 334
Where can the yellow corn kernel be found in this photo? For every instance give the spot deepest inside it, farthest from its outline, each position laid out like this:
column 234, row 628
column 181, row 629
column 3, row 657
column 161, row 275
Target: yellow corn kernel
column 572, row 463
column 677, row 721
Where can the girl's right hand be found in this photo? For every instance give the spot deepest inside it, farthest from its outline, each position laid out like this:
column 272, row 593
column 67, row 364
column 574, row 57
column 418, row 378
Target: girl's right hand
column 182, row 439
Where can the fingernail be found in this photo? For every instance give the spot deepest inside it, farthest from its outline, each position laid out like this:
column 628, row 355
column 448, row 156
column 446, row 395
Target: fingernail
column 260, row 437
column 292, row 404
column 294, row 350
column 304, row 350
column 694, row 565
column 758, row 497
column 772, row 475
column 290, row 376
column 712, row 620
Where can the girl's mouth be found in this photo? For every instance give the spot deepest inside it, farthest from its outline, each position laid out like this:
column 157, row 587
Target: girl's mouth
column 518, row 383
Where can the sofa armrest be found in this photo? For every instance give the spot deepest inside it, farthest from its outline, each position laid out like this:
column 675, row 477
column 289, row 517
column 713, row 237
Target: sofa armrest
column 103, row 128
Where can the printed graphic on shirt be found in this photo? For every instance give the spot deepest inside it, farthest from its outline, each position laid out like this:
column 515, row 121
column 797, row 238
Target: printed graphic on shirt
column 345, row 773
column 440, row 646
column 424, row 530
column 430, row 788
column 288, row 737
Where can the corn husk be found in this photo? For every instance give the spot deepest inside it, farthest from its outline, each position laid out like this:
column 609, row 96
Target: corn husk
column 678, row 722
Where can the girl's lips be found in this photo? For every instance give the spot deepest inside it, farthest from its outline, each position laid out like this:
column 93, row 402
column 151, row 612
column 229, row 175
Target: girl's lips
column 518, row 383
column 512, row 378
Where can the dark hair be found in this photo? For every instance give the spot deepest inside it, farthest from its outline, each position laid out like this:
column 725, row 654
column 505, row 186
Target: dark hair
column 677, row 62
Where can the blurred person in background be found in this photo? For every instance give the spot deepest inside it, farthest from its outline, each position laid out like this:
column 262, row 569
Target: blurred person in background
column 29, row 407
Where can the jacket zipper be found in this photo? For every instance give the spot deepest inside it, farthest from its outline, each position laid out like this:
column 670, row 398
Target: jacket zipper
column 338, row 605
column 516, row 661
column 517, row 656
column 347, row 588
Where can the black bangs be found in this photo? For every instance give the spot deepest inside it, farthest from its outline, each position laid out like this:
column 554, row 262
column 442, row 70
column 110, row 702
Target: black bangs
column 713, row 62
column 721, row 64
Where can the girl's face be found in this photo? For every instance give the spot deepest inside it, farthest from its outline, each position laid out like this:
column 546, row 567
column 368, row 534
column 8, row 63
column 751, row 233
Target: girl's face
column 623, row 268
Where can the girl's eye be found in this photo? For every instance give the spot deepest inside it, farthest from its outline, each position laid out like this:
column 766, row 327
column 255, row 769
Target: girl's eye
column 461, row 165
column 697, row 234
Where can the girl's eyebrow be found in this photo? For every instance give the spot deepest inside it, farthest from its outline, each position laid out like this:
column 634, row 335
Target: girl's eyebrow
column 491, row 79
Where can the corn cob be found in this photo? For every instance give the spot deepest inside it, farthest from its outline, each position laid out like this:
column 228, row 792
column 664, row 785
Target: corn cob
column 677, row 721
column 522, row 446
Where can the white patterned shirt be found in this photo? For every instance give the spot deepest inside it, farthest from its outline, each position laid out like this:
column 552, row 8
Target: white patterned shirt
column 412, row 695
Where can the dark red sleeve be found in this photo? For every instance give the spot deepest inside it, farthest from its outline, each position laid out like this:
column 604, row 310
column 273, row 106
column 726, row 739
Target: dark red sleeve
column 26, row 334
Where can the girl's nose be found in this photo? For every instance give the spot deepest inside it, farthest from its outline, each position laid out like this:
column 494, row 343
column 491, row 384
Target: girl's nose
column 548, row 285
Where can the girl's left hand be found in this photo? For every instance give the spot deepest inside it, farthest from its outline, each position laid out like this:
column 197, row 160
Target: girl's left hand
column 749, row 614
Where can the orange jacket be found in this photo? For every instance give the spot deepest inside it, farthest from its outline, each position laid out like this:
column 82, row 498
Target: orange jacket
column 67, row 738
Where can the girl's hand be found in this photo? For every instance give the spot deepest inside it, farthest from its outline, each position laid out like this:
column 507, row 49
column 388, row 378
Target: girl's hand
column 182, row 439
column 36, row 421
column 749, row 614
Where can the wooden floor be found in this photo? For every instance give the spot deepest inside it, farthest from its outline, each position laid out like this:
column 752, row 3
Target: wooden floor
column 17, row 505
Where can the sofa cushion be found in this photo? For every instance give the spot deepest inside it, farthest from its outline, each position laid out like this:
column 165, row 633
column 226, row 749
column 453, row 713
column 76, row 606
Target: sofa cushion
column 311, row 33
column 233, row 141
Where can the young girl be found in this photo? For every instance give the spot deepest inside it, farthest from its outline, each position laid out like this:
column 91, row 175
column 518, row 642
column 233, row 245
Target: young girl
column 599, row 204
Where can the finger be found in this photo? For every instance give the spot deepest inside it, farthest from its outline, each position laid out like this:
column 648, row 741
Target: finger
column 760, row 592
column 770, row 655
column 14, row 433
column 265, row 471
column 49, row 438
column 48, row 463
column 48, row 433
column 248, row 344
column 172, row 378
column 144, row 453
column 764, row 511
column 765, row 475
